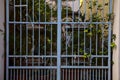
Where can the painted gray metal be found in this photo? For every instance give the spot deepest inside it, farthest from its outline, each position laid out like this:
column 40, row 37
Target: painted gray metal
column 7, row 39
column 59, row 41
column 51, row 50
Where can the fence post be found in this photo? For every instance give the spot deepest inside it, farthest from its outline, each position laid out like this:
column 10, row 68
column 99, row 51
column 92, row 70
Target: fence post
column 116, row 51
column 59, row 40
column 2, row 18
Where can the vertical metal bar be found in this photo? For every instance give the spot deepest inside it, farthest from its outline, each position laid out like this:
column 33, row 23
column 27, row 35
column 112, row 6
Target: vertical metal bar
column 14, row 38
column 84, row 2
column 72, row 34
column 20, row 32
column 31, row 75
column 33, row 38
column 67, row 44
column 90, row 36
column 79, row 70
column 78, row 45
column 69, row 72
column 35, row 74
column 103, row 12
column 39, row 42
column 26, row 59
column 78, row 35
column 84, row 51
column 20, row 39
column 109, row 52
column 93, row 75
column 51, row 42
column 84, row 74
column 45, row 28
column 63, row 74
column 105, row 75
column 81, row 74
column 59, row 40
column 75, row 73
column 7, row 39
column 51, row 35
column 39, row 34
column 11, row 76
column 66, row 34
column 53, row 77
column 42, row 73
column 51, row 53
column 73, row 53
column 110, row 6
column 109, row 41
column 96, row 49
column 87, row 76
column 28, row 74
column 99, row 75
column 96, row 41
column 45, row 34
column 17, row 74
column 78, row 74
column 66, row 74
column 23, row 75
column 102, row 48
column 103, row 35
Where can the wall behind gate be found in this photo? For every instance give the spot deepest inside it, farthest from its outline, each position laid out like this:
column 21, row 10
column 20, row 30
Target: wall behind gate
column 2, row 18
column 116, row 51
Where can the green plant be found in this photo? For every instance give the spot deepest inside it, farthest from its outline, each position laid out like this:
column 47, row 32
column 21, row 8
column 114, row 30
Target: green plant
column 94, row 36
column 86, row 55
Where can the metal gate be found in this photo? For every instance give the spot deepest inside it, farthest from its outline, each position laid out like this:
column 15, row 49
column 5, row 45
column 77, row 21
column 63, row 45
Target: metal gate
column 58, row 39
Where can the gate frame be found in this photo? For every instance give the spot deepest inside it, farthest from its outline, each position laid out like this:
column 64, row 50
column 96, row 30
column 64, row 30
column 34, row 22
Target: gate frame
column 116, row 30
column 7, row 39
column 59, row 40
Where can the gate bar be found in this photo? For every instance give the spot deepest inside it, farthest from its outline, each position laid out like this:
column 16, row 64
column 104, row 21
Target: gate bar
column 109, row 41
column 59, row 40
column 7, row 38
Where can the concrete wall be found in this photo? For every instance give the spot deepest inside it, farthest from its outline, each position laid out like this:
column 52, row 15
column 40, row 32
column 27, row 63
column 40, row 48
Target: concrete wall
column 2, row 18
column 116, row 51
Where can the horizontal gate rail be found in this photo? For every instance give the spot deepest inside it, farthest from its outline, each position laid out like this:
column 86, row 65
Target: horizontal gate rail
column 16, row 22
column 47, row 56
column 66, row 67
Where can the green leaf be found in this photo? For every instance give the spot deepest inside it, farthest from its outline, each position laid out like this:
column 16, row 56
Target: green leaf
column 86, row 30
column 113, row 45
column 100, row 5
column 106, row 4
column 94, row 3
column 90, row 34
column 49, row 41
column 86, row 55
column 91, row 25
